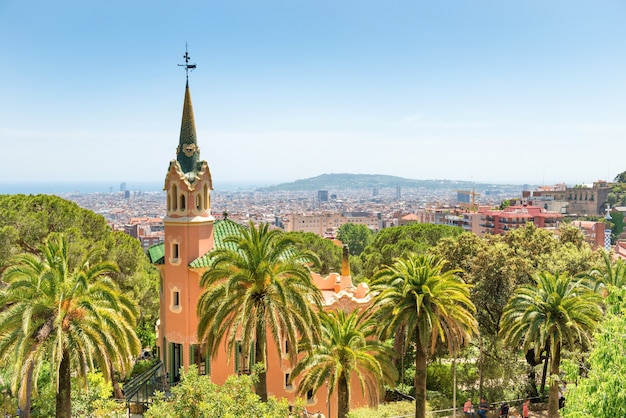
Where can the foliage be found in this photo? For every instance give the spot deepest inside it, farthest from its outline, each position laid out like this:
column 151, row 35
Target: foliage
column 355, row 236
column 27, row 221
column 388, row 410
column 197, row 397
column 555, row 312
column 326, row 250
column 601, row 393
column 346, row 350
column 94, row 398
column 415, row 297
column 263, row 286
column 70, row 314
column 621, row 177
column 617, row 222
column 400, row 241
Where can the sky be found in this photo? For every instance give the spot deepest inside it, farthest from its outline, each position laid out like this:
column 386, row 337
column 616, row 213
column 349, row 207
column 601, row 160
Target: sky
column 505, row 91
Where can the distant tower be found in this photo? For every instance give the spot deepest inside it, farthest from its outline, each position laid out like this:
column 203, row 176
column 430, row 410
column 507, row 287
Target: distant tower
column 188, row 235
column 322, row 196
column 375, row 192
column 398, row 192
column 123, row 187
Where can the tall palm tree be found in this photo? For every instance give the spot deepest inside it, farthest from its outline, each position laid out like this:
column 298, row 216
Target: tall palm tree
column 417, row 296
column 74, row 317
column 259, row 284
column 348, row 348
column 556, row 311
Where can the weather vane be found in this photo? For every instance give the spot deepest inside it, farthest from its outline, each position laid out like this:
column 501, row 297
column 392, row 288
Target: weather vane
column 186, row 64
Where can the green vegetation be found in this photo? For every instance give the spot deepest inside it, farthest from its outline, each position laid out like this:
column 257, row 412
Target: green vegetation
column 346, row 350
column 601, row 392
column 27, row 221
column 67, row 282
column 400, row 242
column 417, row 301
column 555, row 312
column 196, row 397
column 71, row 314
column 356, row 237
column 366, row 181
column 262, row 286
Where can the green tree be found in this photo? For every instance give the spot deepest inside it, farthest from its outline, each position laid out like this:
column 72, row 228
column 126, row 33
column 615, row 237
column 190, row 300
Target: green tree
column 264, row 286
column 72, row 315
column 355, row 236
column 27, row 221
column 347, row 348
column 416, row 296
column 197, row 397
column 621, row 177
column 611, row 274
column 326, row 250
column 400, row 241
column 600, row 392
column 555, row 312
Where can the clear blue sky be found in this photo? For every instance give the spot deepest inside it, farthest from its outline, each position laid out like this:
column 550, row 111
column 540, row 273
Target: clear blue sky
column 497, row 91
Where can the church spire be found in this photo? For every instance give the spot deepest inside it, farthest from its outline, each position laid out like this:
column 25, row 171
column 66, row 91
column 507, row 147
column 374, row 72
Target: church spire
column 188, row 153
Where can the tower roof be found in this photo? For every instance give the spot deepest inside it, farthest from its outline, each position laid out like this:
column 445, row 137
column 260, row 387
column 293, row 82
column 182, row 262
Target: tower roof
column 188, row 153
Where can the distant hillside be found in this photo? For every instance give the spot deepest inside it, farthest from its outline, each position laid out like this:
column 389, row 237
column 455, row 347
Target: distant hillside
column 364, row 181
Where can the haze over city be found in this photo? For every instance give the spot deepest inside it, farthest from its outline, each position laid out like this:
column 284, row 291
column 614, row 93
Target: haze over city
column 488, row 91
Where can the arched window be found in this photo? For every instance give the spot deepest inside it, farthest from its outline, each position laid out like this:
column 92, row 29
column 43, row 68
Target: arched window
column 199, row 201
column 174, row 195
column 206, row 196
column 183, row 203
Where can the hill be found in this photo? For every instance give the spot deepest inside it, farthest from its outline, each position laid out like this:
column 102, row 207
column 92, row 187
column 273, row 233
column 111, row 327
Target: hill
column 366, row 181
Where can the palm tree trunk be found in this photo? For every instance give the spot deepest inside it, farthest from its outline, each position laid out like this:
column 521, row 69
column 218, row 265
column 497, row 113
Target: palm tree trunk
column 259, row 357
column 343, row 397
column 64, row 399
column 553, row 400
column 542, row 388
column 27, row 388
column 420, row 377
column 117, row 390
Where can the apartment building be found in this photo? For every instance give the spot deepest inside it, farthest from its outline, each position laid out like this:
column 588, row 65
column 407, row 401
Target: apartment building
column 326, row 224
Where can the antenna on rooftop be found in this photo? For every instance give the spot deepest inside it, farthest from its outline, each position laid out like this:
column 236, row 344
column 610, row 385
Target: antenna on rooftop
column 186, row 64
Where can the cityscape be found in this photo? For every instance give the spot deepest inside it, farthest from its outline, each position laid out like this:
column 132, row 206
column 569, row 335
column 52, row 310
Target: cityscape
column 370, row 209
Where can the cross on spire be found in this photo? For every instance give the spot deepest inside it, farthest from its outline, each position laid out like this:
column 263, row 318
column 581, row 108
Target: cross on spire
column 186, row 64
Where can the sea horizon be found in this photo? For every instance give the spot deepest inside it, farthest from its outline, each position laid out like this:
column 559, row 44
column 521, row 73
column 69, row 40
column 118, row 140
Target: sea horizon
column 85, row 187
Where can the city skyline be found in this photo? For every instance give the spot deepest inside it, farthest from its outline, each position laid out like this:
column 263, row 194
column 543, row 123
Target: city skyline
column 488, row 91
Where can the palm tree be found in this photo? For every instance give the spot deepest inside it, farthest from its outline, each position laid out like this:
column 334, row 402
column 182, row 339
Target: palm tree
column 611, row 274
column 556, row 311
column 347, row 348
column 74, row 317
column 259, row 284
column 417, row 296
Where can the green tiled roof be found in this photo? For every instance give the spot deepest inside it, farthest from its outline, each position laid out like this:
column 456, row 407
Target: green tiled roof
column 221, row 230
column 157, row 253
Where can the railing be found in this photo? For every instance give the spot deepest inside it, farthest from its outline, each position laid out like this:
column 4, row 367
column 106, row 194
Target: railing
column 141, row 389
column 494, row 408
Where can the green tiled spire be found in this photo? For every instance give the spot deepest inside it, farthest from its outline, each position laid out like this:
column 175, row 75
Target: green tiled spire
column 188, row 153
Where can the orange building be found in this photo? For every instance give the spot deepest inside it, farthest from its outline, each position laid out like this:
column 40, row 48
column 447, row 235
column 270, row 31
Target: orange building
column 190, row 234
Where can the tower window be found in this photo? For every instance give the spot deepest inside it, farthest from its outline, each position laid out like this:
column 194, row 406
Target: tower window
column 175, row 300
column 175, row 251
column 309, row 395
column 287, row 382
column 183, row 203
